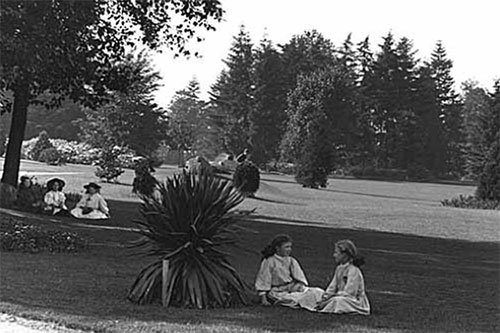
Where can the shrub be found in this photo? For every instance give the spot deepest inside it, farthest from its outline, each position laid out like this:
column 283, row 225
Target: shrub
column 246, row 178
column 41, row 144
column 109, row 167
column 27, row 148
column 76, row 152
column 471, row 202
column 311, row 173
column 489, row 181
column 190, row 226
column 20, row 237
column 50, row 156
column 281, row 167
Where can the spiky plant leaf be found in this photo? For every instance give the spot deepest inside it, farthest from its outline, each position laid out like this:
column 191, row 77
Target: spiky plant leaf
column 190, row 223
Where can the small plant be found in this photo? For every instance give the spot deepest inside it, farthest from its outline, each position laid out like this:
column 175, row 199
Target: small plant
column 108, row 166
column 310, row 173
column 50, row 156
column 144, row 182
column 246, row 178
column 191, row 225
column 41, row 144
column 20, row 237
column 471, row 202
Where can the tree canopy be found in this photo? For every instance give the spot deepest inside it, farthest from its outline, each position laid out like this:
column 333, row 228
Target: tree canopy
column 71, row 48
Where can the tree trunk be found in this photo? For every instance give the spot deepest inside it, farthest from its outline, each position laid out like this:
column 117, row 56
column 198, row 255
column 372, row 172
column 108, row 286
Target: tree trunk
column 16, row 135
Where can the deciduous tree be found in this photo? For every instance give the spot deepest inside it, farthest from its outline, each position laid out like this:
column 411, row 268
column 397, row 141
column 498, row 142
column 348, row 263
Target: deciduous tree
column 70, row 47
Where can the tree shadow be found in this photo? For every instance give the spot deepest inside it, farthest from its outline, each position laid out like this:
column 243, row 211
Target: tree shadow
column 377, row 195
column 272, row 201
column 405, row 274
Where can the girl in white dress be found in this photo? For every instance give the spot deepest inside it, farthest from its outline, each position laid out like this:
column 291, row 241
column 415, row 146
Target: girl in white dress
column 92, row 205
column 55, row 200
column 280, row 279
column 346, row 292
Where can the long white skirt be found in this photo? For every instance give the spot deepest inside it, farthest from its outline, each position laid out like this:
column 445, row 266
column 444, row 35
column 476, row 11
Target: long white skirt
column 347, row 304
column 306, row 299
column 93, row 215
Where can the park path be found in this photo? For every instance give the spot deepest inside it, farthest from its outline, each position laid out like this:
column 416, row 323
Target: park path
column 14, row 324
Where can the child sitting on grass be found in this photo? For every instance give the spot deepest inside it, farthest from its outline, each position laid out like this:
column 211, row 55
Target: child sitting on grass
column 280, row 279
column 92, row 205
column 55, row 200
column 29, row 196
column 346, row 292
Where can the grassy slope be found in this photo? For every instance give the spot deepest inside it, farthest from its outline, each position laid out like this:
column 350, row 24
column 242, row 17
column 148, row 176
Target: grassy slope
column 413, row 282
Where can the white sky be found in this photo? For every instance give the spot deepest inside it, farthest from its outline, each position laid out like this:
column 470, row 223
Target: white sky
column 469, row 31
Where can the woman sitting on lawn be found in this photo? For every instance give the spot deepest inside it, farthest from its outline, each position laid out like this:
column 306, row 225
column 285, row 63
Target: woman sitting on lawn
column 281, row 280
column 29, row 196
column 346, row 292
column 92, row 205
column 55, row 200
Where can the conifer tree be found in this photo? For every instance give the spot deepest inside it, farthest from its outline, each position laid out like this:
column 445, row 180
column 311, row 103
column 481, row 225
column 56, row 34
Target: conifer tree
column 185, row 118
column 449, row 103
column 267, row 117
column 231, row 97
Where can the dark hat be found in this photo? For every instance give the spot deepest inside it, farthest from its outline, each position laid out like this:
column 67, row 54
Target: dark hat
column 23, row 178
column 53, row 180
column 94, row 185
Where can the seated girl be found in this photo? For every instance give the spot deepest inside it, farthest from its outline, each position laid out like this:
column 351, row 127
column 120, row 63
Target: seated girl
column 92, row 205
column 281, row 280
column 346, row 292
column 55, row 200
column 29, row 196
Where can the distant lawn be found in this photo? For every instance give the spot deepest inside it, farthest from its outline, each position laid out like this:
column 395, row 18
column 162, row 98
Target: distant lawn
column 414, row 281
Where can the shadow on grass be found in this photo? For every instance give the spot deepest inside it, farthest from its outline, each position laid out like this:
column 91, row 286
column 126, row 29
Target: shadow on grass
column 258, row 198
column 378, row 195
column 413, row 282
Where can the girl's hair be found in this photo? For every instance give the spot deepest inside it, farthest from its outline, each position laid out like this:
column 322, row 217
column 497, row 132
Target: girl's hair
column 21, row 181
column 347, row 246
column 278, row 240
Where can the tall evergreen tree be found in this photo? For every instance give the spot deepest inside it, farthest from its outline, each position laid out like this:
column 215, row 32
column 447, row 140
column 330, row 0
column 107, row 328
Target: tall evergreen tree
column 365, row 134
column 231, row 97
column 389, row 87
column 267, row 118
column 449, row 108
column 185, row 121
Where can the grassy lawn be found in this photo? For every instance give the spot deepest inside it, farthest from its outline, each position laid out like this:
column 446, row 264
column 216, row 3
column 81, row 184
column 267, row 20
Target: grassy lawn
column 429, row 268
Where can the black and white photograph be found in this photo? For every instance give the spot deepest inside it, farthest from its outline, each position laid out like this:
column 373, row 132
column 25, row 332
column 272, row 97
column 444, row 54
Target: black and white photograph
column 249, row 166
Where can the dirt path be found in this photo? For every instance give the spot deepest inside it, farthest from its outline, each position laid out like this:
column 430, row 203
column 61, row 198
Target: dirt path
column 13, row 324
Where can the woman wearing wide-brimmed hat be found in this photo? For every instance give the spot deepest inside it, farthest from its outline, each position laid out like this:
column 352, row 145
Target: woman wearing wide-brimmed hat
column 92, row 205
column 55, row 200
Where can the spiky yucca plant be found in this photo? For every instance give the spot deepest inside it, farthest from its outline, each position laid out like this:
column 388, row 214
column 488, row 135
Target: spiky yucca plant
column 190, row 226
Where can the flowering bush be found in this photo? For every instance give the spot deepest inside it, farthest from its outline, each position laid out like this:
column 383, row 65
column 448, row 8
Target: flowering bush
column 20, row 237
column 27, row 148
